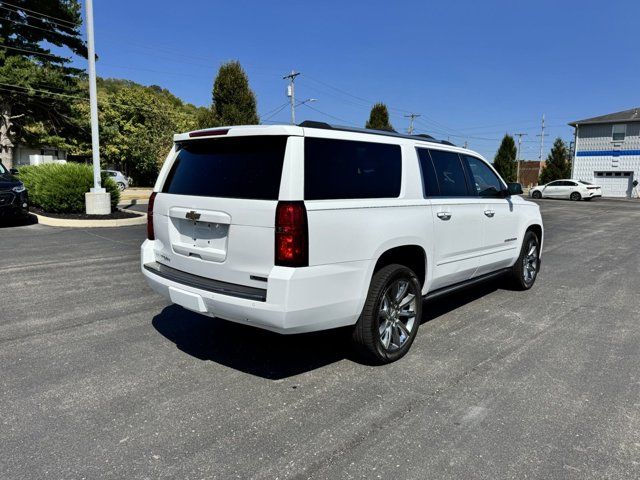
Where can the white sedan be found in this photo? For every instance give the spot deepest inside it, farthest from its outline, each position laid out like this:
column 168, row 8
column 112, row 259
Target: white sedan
column 571, row 189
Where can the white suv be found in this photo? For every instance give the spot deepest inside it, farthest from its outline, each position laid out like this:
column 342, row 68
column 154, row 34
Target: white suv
column 303, row 228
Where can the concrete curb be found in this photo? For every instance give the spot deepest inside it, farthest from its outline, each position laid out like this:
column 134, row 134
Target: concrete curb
column 141, row 219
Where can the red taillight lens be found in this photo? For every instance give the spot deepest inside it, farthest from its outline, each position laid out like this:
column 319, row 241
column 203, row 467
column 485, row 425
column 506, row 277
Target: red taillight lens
column 151, row 235
column 292, row 235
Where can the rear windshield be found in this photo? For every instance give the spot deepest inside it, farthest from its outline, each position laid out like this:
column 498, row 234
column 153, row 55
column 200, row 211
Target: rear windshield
column 240, row 167
column 343, row 169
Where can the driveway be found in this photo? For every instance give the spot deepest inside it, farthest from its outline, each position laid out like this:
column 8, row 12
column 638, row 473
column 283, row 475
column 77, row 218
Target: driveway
column 101, row 378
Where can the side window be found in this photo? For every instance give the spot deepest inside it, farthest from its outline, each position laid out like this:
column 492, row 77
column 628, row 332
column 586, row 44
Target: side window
column 343, row 169
column 429, row 179
column 450, row 174
column 554, row 184
column 486, row 183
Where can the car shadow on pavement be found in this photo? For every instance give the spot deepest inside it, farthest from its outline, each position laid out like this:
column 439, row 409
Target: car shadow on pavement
column 18, row 222
column 273, row 356
column 432, row 309
column 249, row 349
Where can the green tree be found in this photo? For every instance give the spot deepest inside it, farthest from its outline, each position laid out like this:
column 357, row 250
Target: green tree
column 137, row 124
column 558, row 164
column 29, row 69
column 234, row 103
column 379, row 118
column 505, row 159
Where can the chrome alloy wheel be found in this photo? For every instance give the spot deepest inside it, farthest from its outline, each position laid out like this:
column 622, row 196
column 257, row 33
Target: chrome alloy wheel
column 530, row 262
column 397, row 315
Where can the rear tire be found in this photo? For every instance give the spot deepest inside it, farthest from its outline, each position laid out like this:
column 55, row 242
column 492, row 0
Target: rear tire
column 575, row 196
column 391, row 315
column 525, row 271
column 536, row 194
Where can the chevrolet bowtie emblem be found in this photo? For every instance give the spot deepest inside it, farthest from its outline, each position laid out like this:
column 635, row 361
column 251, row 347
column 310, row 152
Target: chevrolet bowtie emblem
column 193, row 216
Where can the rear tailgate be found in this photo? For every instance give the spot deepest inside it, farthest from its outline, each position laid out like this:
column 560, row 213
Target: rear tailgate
column 215, row 212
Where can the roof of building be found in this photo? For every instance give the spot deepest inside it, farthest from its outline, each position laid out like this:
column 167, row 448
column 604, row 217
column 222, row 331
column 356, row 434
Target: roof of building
column 631, row 115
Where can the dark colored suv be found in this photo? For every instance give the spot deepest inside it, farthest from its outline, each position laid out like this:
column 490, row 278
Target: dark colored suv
column 14, row 198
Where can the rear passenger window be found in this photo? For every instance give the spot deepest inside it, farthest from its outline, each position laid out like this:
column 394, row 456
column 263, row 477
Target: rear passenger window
column 429, row 180
column 450, row 174
column 343, row 169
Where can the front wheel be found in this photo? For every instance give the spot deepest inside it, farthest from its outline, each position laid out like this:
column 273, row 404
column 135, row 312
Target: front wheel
column 391, row 315
column 525, row 271
column 536, row 194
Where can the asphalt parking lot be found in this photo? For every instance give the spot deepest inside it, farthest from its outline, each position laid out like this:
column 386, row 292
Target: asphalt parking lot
column 101, row 378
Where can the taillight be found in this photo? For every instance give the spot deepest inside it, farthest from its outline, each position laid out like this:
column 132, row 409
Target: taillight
column 292, row 235
column 151, row 235
column 209, row 133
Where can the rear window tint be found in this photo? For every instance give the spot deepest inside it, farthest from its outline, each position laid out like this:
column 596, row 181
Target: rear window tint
column 240, row 167
column 429, row 179
column 343, row 169
column 450, row 173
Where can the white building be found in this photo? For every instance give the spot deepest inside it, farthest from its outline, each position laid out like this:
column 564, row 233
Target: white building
column 607, row 151
column 25, row 155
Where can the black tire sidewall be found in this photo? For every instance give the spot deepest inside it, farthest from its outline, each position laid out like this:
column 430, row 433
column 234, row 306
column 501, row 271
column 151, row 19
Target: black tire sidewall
column 398, row 272
column 518, row 271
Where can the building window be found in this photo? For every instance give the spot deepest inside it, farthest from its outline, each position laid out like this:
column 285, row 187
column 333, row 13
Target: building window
column 619, row 132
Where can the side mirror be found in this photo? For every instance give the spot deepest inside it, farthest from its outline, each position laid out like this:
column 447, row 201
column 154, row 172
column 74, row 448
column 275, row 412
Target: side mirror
column 514, row 188
column 13, row 171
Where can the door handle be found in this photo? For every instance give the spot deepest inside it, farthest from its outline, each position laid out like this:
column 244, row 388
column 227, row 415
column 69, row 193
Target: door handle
column 489, row 213
column 444, row 215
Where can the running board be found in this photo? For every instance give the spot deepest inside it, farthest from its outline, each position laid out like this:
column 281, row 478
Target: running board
column 467, row 283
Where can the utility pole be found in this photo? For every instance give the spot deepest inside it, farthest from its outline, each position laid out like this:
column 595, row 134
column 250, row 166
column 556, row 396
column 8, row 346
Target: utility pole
column 519, row 135
column 291, row 93
column 411, row 116
column 98, row 200
column 541, row 135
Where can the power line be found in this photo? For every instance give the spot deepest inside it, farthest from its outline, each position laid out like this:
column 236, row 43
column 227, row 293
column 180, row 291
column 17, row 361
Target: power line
column 2, row 45
column 28, row 91
column 274, row 112
column 19, row 8
column 23, row 24
column 329, row 115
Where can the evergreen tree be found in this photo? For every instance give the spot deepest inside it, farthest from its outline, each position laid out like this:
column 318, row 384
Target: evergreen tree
column 379, row 118
column 234, row 103
column 558, row 164
column 29, row 69
column 505, row 159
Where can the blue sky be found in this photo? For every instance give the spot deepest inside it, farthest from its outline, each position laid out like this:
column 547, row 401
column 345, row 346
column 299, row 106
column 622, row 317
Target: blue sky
column 473, row 69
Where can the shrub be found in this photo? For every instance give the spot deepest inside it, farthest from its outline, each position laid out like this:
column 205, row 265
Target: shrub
column 60, row 188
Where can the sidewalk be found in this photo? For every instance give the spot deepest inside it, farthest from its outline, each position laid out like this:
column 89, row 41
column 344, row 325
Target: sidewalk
column 134, row 196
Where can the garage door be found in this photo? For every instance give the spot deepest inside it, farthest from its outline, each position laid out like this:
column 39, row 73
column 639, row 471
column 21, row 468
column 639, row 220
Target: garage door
column 615, row 184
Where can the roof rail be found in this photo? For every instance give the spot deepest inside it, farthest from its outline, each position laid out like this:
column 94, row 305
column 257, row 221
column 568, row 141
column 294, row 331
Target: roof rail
column 325, row 126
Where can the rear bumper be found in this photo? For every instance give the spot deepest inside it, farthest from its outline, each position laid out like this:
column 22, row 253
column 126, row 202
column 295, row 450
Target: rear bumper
column 297, row 299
